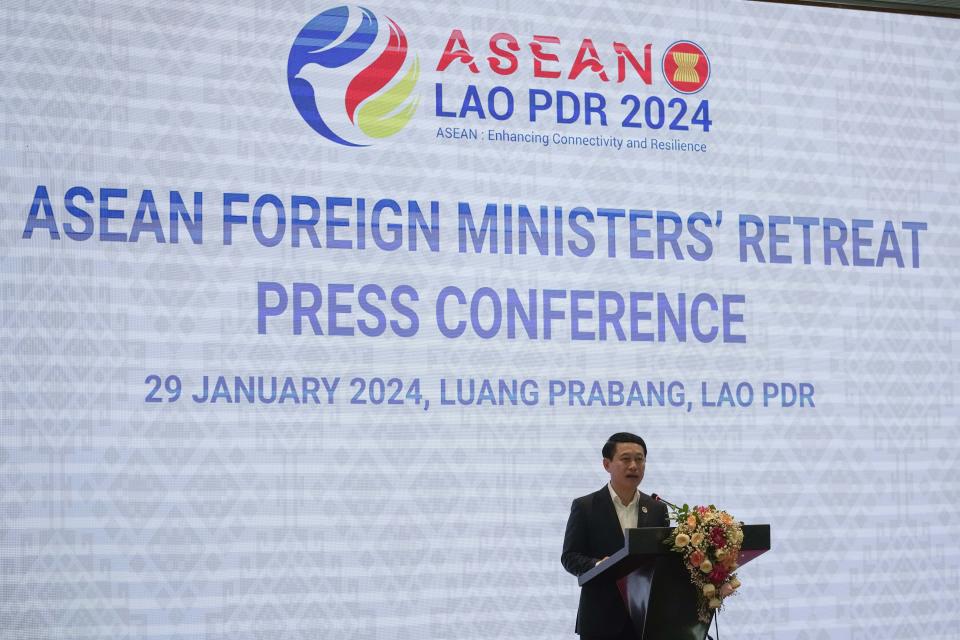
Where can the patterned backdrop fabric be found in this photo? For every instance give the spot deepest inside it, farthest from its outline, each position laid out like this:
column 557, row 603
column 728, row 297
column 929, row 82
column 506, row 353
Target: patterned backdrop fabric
column 725, row 226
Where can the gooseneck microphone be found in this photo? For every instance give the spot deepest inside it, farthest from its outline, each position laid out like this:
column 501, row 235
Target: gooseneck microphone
column 666, row 502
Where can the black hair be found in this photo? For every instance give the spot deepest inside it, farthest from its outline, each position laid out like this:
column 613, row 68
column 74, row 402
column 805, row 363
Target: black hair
column 611, row 445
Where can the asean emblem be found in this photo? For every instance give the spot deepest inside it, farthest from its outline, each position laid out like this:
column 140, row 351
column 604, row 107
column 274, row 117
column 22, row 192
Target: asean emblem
column 686, row 67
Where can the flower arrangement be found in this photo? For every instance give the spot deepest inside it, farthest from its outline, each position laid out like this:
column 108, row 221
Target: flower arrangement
column 709, row 541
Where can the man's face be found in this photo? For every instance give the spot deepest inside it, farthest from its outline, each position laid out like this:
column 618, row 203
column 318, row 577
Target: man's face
column 626, row 467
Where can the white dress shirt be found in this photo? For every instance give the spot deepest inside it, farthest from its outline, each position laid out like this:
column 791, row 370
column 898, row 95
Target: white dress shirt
column 626, row 513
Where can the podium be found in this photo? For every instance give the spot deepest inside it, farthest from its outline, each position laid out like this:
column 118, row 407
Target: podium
column 660, row 599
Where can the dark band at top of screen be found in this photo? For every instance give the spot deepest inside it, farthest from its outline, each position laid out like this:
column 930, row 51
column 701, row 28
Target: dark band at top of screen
column 941, row 8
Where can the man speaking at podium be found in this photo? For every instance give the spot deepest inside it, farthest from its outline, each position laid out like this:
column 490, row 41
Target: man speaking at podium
column 595, row 531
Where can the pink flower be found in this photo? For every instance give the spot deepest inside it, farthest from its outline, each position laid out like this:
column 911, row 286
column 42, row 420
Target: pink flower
column 696, row 558
column 726, row 590
column 717, row 537
column 718, row 575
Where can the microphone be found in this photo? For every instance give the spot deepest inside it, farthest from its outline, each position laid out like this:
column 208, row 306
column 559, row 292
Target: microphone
column 666, row 502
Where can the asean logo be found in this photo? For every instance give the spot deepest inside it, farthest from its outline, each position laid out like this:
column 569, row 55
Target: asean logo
column 686, row 66
column 350, row 76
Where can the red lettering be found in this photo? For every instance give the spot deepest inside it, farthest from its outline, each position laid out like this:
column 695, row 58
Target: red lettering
column 458, row 50
column 624, row 55
column 504, row 59
column 497, row 63
column 587, row 60
column 539, row 56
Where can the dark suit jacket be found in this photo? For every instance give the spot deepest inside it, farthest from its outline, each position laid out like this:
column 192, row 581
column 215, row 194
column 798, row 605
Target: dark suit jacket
column 593, row 531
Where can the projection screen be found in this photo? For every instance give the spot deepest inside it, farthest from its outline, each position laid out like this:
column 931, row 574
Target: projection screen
column 316, row 316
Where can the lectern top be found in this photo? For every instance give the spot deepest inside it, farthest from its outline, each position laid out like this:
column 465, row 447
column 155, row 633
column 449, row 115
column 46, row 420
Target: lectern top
column 646, row 543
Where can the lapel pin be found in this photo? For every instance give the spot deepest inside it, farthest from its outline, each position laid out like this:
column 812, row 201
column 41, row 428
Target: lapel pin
column 644, row 509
